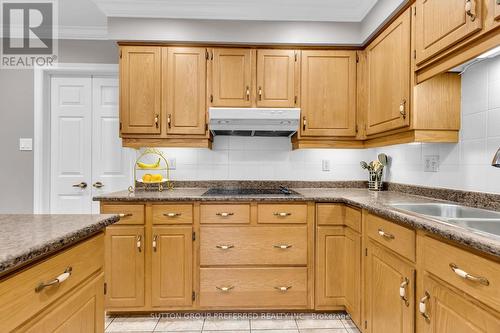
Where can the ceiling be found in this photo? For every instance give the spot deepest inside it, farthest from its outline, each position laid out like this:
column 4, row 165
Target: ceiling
column 255, row 10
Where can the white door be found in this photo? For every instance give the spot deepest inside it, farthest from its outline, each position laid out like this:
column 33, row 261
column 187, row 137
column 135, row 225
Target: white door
column 71, row 130
column 87, row 157
column 111, row 164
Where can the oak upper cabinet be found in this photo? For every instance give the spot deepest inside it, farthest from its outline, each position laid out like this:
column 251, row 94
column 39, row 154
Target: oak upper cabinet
column 389, row 66
column 140, row 89
column 387, row 279
column 124, row 266
column 184, row 86
column 443, row 310
column 232, row 77
column 172, row 266
column 276, row 78
column 442, row 23
column 328, row 93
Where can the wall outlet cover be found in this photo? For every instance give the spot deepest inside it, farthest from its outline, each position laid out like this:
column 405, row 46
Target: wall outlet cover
column 26, row 144
column 431, row 163
column 325, row 165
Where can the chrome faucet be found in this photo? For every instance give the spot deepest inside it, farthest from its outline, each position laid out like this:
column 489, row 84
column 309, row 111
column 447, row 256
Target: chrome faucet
column 496, row 159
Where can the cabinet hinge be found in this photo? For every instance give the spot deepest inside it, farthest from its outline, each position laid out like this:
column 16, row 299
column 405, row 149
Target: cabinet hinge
column 207, row 56
column 206, row 127
column 194, row 236
column 357, row 129
column 357, row 57
column 120, row 54
column 105, row 288
column 295, row 56
column 366, row 252
column 295, row 100
column 120, row 125
column 211, row 98
column 414, row 11
column 366, row 324
column 193, row 296
column 414, row 54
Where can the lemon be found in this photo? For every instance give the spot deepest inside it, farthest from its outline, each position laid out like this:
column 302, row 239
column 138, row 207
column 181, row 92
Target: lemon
column 156, row 177
column 147, row 178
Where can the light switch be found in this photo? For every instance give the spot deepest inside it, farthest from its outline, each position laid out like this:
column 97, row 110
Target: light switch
column 431, row 163
column 25, row 144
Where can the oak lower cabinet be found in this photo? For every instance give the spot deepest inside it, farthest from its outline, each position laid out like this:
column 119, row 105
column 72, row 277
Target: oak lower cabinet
column 125, row 266
column 172, row 266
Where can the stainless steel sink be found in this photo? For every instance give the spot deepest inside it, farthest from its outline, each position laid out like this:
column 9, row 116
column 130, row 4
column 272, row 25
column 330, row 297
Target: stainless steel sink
column 474, row 219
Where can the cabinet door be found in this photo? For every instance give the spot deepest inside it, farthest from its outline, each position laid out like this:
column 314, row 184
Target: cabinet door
column 442, row 23
column 276, row 78
column 385, row 274
column 451, row 312
column 124, row 266
column 328, row 96
column 185, row 86
column 330, row 267
column 353, row 275
column 232, row 77
column 140, row 89
column 388, row 58
column 81, row 312
column 172, row 266
column 496, row 4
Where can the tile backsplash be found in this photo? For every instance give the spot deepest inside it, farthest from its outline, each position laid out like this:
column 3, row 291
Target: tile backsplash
column 465, row 165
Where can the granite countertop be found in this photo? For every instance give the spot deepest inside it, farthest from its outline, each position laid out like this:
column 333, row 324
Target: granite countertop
column 25, row 238
column 374, row 202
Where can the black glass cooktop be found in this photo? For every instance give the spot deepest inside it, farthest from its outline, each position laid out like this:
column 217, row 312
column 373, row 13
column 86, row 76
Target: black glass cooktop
column 282, row 191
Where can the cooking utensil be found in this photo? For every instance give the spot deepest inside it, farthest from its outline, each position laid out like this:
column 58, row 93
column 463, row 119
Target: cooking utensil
column 383, row 159
column 364, row 165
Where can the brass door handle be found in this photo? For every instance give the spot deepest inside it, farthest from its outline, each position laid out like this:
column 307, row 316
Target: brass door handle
column 304, row 123
column 282, row 214
column 81, row 185
column 283, row 288
column 155, row 237
column 402, row 290
column 282, row 246
column 172, row 214
column 122, row 215
column 224, row 247
column 385, row 234
column 402, row 108
column 464, row 275
column 470, row 9
column 157, row 121
column 224, row 214
column 98, row 185
column 248, row 93
column 224, row 289
column 139, row 243
column 59, row 279
column 260, row 93
column 422, row 306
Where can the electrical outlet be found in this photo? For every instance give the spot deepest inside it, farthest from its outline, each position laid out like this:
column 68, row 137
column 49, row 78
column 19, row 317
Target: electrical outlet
column 25, row 144
column 172, row 163
column 431, row 163
column 325, row 165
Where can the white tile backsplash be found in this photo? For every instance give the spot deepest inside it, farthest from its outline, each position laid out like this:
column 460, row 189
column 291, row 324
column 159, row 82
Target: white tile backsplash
column 465, row 165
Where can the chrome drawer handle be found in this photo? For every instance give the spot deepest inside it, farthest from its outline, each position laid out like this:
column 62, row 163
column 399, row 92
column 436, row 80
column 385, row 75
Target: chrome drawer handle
column 224, row 247
column 282, row 246
column 464, row 275
column 384, row 234
column 59, row 279
column 124, row 215
column 172, row 214
column 283, row 288
column 225, row 289
column 81, row 185
column 402, row 290
column 422, row 306
column 282, row 214
column 224, row 214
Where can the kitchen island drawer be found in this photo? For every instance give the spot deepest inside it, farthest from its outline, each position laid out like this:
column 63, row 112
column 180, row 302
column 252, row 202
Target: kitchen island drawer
column 173, row 214
column 225, row 213
column 129, row 214
column 224, row 245
column 282, row 213
column 237, row 288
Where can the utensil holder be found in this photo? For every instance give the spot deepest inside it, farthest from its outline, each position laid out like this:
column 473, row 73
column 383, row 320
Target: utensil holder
column 375, row 182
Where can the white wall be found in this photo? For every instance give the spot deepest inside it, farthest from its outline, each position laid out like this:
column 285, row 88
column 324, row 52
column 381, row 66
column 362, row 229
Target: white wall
column 466, row 165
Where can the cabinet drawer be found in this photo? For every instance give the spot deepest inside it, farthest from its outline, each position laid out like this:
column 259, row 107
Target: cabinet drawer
column 130, row 214
column 397, row 238
column 338, row 214
column 439, row 257
column 253, row 245
column 282, row 213
column 18, row 299
column 253, row 287
column 172, row 214
column 225, row 214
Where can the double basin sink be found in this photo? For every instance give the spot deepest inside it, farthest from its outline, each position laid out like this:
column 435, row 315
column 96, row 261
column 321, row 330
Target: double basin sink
column 474, row 219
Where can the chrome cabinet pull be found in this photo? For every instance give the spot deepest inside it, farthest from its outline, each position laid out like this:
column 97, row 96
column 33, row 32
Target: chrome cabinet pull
column 283, row 288
column 81, row 185
column 224, row 214
column 155, row 237
column 470, row 9
column 139, row 243
column 248, row 93
column 98, row 185
column 385, row 234
column 422, row 306
column 464, row 275
column 59, row 279
column 282, row 246
column 122, row 215
column 402, row 108
column 172, row 214
column 225, row 247
column 225, row 289
column 282, row 214
column 260, row 93
column 304, row 123
column 157, row 121
column 402, row 290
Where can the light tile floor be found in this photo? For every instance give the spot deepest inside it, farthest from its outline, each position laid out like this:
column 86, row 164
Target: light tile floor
column 227, row 323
